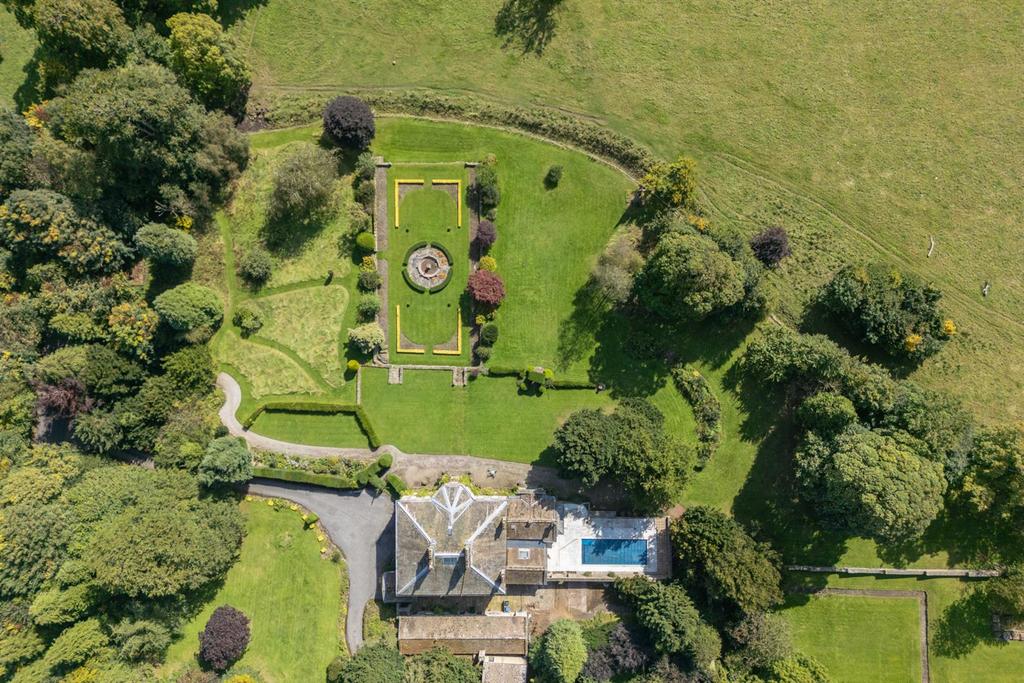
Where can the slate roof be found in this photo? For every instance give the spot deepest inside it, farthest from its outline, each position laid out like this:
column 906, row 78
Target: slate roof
column 450, row 544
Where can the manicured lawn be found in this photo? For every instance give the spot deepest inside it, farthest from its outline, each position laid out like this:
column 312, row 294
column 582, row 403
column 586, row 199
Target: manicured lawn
column 858, row 639
column 489, row 418
column 292, row 596
column 961, row 646
column 428, row 214
column 318, row 430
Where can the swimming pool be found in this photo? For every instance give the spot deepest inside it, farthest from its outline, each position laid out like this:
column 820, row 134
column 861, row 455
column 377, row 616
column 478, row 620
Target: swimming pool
column 614, row 551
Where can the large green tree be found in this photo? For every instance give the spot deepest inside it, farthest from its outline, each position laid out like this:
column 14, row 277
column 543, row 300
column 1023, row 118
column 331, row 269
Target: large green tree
column 721, row 561
column 893, row 309
column 152, row 149
column 77, row 34
column 562, row 652
column 16, row 141
column 872, row 483
column 208, row 62
column 687, row 277
column 994, row 483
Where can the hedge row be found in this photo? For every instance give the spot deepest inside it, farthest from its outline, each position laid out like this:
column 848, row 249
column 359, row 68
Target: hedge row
column 707, row 410
column 362, row 419
column 331, row 481
column 396, row 484
column 285, row 110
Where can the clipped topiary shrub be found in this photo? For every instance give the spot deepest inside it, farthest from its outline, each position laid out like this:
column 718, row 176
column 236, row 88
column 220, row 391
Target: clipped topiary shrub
column 348, row 121
column 224, row 639
column 486, row 234
column 366, row 241
column 169, row 246
column 352, row 365
column 489, row 334
column 488, row 263
column 368, row 307
column 367, row 337
column 369, row 281
column 483, row 353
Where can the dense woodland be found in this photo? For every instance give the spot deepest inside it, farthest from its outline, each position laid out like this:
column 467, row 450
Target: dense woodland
column 105, row 183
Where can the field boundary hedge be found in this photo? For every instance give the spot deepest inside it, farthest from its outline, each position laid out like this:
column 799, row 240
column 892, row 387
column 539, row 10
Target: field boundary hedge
column 331, row 481
column 288, row 110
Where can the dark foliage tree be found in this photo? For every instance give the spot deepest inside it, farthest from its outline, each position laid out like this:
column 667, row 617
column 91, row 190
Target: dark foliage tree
column 891, row 309
column 349, row 122
column 224, row 638
column 169, row 246
column 721, row 561
column 938, row 419
column 771, row 245
column 486, row 288
column 486, row 234
column 687, row 277
column 623, row 654
column 189, row 370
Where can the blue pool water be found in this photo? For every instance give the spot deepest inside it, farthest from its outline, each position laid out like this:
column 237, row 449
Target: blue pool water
column 614, row 551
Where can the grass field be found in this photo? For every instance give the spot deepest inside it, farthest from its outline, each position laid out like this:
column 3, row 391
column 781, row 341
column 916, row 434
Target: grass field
column 863, row 128
column 428, row 214
column 292, row 596
column 859, row 640
column 16, row 47
column 961, row 647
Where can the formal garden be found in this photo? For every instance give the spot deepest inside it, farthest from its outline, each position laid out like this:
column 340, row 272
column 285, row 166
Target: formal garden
column 767, row 287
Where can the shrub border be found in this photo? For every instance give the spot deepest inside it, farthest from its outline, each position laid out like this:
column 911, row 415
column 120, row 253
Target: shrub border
column 694, row 387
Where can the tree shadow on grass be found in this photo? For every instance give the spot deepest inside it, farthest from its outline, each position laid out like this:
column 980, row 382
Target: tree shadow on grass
column 963, row 626
column 232, row 11
column 768, row 504
column 529, row 24
column 286, row 236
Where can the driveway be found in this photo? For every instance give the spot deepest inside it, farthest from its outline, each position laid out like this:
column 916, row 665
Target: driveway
column 360, row 524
